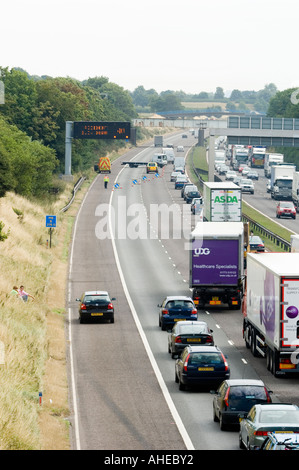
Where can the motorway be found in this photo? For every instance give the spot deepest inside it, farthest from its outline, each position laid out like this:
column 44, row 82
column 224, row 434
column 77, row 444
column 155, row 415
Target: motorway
column 123, row 392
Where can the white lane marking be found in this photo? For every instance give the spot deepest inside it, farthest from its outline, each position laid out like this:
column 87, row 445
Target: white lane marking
column 151, row 357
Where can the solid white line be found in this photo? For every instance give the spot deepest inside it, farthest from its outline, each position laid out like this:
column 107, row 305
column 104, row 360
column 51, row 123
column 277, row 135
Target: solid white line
column 152, row 359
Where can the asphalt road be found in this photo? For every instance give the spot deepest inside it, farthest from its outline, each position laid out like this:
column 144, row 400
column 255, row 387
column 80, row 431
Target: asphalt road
column 123, row 391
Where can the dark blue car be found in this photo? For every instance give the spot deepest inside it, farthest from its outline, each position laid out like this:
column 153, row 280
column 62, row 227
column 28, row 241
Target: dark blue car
column 201, row 365
column 176, row 308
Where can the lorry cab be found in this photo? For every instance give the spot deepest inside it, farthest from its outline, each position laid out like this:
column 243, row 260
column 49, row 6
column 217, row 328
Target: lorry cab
column 160, row 159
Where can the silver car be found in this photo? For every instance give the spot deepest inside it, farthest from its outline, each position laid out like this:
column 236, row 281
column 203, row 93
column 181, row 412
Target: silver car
column 263, row 419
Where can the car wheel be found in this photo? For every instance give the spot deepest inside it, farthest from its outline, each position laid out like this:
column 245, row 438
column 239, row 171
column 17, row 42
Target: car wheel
column 182, row 386
column 241, row 443
column 112, row 320
column 215, row 417
column 81, row 320
column 176, row 378
column 222, row 425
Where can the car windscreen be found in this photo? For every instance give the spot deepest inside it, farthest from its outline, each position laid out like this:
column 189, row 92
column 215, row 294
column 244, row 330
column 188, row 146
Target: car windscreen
column 205, row 358
column 279, row 416
column 193, row 329
column 179, row 304
column 96, row 299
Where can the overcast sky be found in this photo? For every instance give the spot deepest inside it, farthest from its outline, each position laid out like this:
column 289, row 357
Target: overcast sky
column 189, row 45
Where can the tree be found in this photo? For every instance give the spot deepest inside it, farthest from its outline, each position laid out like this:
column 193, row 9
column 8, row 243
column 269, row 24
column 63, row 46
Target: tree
column 284, row 104
column 236, row 95
column 169, row 102
column 219, row 95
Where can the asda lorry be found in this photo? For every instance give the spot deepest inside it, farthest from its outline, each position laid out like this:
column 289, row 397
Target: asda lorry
column 270, row 160
column 271, row 310
column 222, row 202
column 282, row 181
column 216, row 264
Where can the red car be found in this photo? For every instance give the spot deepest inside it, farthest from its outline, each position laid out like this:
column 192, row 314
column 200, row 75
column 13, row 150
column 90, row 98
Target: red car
column 285, row 209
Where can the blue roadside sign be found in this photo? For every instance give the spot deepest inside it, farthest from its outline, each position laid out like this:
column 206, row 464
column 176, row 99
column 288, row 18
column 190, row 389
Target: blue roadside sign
column 50, row 220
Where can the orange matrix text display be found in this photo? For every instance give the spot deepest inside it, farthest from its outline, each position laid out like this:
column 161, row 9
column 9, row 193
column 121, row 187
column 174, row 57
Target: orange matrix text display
column 101, row 130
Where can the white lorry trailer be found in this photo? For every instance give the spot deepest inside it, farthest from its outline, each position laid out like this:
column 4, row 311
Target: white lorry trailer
column 222, row 202
column 270, row 160
column 216, row 264
column 282, row 181
column 158, row 141
column 295, row 189
column 271, row 310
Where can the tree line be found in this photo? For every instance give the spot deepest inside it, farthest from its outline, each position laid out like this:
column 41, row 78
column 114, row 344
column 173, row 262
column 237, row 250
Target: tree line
column 33, row 116
column 32, row 126
column 237, row 100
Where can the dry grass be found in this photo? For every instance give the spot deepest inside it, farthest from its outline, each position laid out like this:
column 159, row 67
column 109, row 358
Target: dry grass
column 32, row 333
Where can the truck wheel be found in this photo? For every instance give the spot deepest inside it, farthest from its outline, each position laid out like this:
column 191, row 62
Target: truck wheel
column 274, row 366
column 253, row 344
column 268, row 359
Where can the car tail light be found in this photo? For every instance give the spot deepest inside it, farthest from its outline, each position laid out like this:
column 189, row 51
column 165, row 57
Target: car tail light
column 226, row 397
column 164, row 311
column 186, row 363
column 178, row 339
column 209, row 339
column 268, row 396
column 194, row 312
column 83, row 307
column 261, row 433
column 110, row 306
column 225, row 362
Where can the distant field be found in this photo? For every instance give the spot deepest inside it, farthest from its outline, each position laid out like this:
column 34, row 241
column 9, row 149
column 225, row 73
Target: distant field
column 203, row 104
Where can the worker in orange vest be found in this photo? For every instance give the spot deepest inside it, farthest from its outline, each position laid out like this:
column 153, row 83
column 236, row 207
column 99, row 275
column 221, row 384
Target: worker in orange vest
column 106, row 181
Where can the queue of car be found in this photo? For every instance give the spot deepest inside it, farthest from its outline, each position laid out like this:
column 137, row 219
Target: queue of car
column 243, row 176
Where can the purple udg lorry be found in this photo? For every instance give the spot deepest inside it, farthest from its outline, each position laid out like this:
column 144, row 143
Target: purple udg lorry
column 217, row 264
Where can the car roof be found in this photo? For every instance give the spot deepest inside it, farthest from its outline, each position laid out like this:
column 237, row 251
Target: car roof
column 236, row 382
column 203, row 349
column 96, row 292
column 276, row 406
column 190, row 322
column 178, row 297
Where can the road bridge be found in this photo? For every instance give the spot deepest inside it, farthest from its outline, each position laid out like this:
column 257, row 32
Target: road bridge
column 242, row 130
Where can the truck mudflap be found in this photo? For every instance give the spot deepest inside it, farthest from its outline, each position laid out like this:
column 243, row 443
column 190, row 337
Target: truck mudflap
column 216, row 297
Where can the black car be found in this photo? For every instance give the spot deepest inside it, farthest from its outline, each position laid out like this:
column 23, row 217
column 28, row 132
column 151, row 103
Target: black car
column 236, row 396
column 256, row 243
column 96, row 305
column 176, row 308
column 201, row 365
column 188, row 332
column 191, row 195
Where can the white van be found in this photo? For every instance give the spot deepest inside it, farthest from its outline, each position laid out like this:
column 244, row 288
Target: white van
column 160, row 159
column 169, row 152
column 179, row 162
